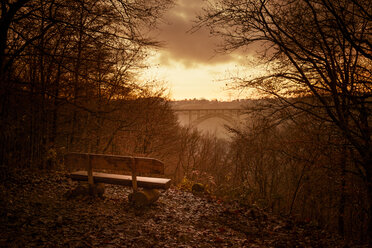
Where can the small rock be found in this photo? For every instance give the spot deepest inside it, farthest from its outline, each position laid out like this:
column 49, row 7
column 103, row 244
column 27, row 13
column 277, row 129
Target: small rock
column 59, row 220
column 198, row 188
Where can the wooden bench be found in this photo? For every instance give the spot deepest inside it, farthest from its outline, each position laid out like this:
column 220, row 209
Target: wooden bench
column 90, row 162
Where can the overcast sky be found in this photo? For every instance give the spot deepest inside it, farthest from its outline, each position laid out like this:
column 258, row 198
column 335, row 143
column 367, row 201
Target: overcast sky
column 188, row 62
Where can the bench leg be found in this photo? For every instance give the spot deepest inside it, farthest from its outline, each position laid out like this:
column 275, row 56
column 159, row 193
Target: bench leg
column 90, row 172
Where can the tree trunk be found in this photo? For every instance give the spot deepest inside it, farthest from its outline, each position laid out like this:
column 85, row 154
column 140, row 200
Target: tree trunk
column 341, row 208
column 369, row 230
column 297, row 189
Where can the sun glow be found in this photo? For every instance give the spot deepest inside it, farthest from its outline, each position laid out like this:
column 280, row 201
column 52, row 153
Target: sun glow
column 198, row 80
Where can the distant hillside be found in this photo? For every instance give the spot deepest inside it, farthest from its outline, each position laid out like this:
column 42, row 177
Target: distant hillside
column 207, row 104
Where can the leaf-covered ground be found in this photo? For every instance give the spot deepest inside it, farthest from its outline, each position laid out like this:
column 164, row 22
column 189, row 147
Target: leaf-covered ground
column 34, row 212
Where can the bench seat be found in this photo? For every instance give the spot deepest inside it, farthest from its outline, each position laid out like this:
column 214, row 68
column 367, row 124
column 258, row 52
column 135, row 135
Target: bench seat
column 144, row 182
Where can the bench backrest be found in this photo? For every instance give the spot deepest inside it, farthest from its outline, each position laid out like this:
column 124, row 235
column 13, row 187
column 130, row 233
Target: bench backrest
column 143, row 166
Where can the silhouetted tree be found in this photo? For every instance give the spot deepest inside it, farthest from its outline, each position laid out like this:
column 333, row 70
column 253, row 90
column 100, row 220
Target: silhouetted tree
column 317, row 51
column 61, row 63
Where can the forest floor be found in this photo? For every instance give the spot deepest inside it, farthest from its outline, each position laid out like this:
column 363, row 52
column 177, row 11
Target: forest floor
column 34, row 212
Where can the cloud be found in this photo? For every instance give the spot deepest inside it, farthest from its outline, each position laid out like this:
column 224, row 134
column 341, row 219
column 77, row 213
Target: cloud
column 188, row 61
column 189, row 48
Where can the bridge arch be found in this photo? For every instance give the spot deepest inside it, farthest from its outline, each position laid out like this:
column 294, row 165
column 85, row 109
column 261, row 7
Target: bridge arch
column 197, row 116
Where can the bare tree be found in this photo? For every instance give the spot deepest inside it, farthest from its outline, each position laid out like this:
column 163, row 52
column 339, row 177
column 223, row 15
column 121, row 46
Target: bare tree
column 318, row 52
column 82, row 53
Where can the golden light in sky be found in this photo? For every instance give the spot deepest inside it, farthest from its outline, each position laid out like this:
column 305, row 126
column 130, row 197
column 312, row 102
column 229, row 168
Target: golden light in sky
column 199, row 81
column 188, row 62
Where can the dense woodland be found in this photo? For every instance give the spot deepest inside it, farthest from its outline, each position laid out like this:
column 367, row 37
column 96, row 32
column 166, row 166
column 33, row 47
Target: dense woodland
column 69, row 82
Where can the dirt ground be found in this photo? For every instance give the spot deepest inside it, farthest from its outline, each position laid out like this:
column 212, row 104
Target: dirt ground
column 35, row 212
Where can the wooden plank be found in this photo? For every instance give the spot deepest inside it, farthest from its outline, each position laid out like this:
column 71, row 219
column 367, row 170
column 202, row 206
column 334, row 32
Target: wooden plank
column 114, row 163
column 126, row 180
